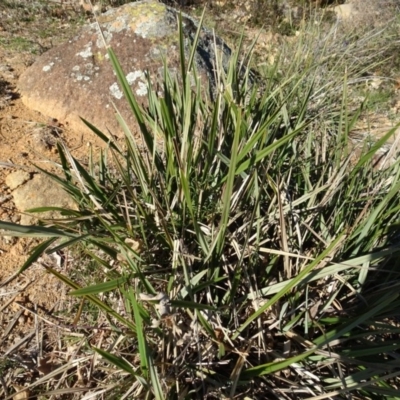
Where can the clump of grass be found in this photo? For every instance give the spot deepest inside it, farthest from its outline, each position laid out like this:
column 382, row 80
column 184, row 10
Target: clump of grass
column 252, row 254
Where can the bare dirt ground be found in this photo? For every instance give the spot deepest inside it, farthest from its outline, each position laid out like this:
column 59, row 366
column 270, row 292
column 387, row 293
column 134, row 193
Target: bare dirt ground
column 27, row 138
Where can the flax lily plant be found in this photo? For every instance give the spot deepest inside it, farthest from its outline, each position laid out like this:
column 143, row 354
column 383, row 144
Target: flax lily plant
column 256, row 255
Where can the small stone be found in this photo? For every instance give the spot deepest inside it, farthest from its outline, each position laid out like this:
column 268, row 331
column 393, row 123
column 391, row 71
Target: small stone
column 41, row 191
column 17, row 178
column 15, row 218
column 9, row 240
column 344, row 11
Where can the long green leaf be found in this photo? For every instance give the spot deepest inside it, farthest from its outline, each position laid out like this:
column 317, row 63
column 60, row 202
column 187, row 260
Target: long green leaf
column 100, row 287
column 117, row 361
column 143, row 349
column 269, row 149
column 272, row 367
column 36, row 253
column 93, row 299
column 32, row 230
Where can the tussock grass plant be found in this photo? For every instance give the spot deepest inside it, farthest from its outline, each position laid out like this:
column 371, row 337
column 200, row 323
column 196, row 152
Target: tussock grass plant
column 254, row 256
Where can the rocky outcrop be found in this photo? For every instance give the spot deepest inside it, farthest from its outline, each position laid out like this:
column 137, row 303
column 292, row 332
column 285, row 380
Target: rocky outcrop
column 76, row 79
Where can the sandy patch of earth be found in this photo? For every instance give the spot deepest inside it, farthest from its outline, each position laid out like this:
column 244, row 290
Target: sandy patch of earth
column 26, row 138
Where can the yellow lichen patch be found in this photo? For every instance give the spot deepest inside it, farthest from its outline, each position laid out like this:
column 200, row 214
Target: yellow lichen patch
column 139, row 15
column 145, row 16
column 99, row 57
